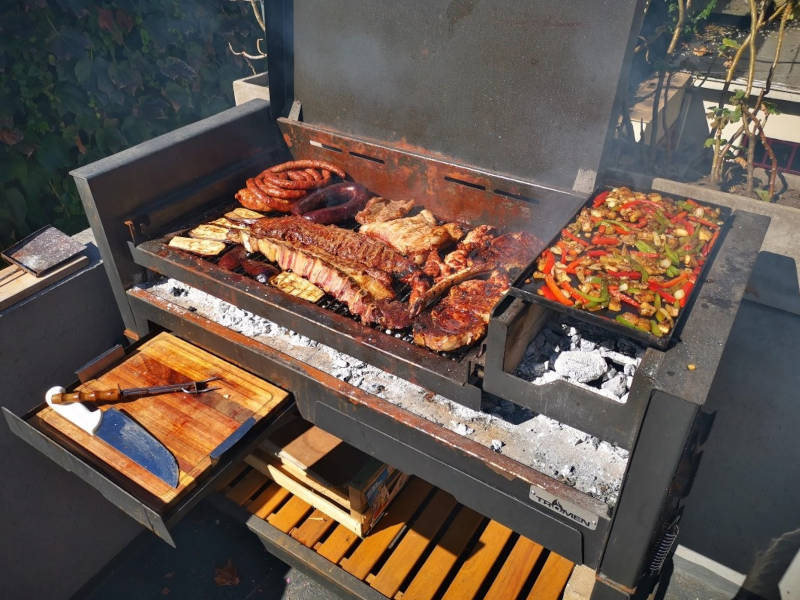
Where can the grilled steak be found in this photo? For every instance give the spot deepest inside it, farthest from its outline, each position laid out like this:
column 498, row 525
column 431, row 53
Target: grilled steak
column 338, row 242
column 479, row 253
column 461, row 318
column 378, row 210
column 414, row 236
column 364, row 294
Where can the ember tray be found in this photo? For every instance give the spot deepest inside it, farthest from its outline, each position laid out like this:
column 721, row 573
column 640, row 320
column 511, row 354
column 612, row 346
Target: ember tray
column 606, row 318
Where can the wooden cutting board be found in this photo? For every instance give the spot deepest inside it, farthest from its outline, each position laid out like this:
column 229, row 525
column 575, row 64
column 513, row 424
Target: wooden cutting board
column 190, row 426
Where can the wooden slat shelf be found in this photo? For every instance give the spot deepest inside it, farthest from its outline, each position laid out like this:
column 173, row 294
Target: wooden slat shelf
column 427, row 546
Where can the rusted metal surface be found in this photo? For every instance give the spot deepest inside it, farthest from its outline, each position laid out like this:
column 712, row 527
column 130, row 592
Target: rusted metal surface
column 43, row 251
column 451, row 191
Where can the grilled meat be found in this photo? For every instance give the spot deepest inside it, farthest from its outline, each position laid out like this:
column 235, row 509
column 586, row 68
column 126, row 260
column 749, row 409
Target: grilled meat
column 479, row 253
column 462, row 317
column 414, row 236
column 341, row 243
column 378, row 210
column 363, row 292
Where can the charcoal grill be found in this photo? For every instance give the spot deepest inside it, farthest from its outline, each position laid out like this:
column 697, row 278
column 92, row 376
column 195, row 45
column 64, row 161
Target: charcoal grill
column 503, row 124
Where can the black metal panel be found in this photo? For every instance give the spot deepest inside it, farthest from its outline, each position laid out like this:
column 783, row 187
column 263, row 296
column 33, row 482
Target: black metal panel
column 126, row 502
column 651, row 470
column 569, row 404
column 524, row 88
column 492, row 484
column 157, row 180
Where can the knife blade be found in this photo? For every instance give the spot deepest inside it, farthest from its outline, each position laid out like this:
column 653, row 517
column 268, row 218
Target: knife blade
column 121, row 432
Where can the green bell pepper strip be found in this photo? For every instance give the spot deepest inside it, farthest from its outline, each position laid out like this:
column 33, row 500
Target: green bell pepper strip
column 672, row 256
column 654, row 328
column 645, row 247
column 639, row 267
column 623, row 320
column 672, row 271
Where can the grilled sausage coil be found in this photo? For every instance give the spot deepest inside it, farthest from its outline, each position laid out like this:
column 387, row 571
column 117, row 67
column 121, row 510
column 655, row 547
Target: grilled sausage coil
column 279, row 187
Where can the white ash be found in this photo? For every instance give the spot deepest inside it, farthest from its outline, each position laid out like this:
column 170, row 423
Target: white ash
column 593, row 467
column 462, row 429
column 582, row 355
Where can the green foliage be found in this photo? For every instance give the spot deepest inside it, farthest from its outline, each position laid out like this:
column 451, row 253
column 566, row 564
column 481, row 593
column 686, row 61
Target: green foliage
column 82, row 80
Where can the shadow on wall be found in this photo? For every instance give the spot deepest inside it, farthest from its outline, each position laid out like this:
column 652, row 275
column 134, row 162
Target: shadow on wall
column 747, row 490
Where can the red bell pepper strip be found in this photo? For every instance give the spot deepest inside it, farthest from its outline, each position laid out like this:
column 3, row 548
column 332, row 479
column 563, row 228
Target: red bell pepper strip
column 691, row 202
column 672, row 282
column 600, row 240
column 545, row 291
column 665, row 295
column 679, row 217
column 705, row 222
column 575, row 264
column 597, row 252
column 687, row 289
column 646, row 254
column 549, row 262
column 628, row 274
column 563, row 247
column 711, row 243
column 600, row 199
column 567, row 233
column 560, row 297
column 626, row 299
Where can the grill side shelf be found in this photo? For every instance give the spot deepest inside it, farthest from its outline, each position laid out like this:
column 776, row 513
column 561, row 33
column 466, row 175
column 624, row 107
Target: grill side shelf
column 451, row 378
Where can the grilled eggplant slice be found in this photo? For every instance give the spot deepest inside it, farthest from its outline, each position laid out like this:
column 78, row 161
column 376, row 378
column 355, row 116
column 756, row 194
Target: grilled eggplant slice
column 294, row 285
column 197, row 246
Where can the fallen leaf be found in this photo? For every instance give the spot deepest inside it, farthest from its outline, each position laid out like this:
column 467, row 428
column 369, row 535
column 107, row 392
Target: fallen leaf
column 79, row 144
column 10, row 136
column 227, row 575
column 165, row 591
column 124, row 20
column 700, row 51
column 105, row 19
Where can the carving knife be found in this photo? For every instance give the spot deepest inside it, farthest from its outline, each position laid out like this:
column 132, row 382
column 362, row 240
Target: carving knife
column 121, row 432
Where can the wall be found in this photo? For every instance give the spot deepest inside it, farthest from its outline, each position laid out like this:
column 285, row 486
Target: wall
column 56, row 531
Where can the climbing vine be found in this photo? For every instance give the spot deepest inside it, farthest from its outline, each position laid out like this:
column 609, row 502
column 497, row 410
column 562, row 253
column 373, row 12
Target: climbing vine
column 82, row 80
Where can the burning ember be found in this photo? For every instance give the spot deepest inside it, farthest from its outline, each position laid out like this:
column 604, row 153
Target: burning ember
column 583, row 461
column 583, row 356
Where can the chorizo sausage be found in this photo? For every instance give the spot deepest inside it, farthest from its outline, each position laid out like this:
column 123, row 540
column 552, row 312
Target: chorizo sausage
column 308, row 164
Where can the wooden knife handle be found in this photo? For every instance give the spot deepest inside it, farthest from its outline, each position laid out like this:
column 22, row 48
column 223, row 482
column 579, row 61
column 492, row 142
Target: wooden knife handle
column 100, row 396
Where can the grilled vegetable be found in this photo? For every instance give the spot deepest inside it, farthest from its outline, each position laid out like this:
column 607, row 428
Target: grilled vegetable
column 243, row 214
column 197, row 246
column 210, row 232
column 295, row 285
column 630, row 250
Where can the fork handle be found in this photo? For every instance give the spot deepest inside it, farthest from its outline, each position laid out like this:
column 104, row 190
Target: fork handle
column 111, row 395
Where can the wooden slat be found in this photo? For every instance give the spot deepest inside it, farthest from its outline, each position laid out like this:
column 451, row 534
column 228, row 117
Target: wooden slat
column 290, row 514
column 439, row 563
column 515, row 570
column 397, row 515
column 249, row 485
column 551, row 581
column 298, row 489
column 17, row 284
column 313, row 528
column 268, row 500
column 472, row 573
column 406, row 554
column 337, row 544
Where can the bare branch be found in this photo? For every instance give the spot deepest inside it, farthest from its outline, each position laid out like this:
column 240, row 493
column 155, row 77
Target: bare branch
column 245, row 54
column 678, row 27
column 257, row 13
